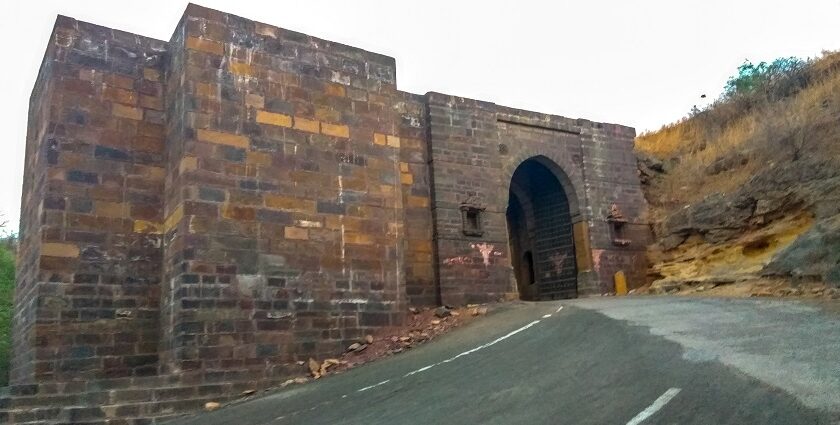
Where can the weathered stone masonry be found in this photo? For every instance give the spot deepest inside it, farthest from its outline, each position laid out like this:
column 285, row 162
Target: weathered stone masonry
column 198, row 214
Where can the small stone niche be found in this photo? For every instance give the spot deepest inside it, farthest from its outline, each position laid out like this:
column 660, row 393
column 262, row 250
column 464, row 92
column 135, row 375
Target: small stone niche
column 471, row 216
column 617, row 221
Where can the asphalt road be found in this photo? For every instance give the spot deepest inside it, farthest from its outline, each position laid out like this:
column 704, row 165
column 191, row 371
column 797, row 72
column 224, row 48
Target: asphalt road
column 637, row 360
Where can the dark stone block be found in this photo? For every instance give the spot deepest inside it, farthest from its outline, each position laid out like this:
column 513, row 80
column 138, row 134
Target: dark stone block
column 211, row 194
column 82, row 177
column 328, row 207
column 111, row 153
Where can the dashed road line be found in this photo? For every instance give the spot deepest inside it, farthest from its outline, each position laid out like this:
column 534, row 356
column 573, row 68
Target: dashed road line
column 373, row 386
column 473, row 350
column 653, row 408
column 425, row 368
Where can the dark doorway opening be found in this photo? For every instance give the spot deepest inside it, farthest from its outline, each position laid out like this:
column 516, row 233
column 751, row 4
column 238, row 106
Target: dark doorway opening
column 541, row 234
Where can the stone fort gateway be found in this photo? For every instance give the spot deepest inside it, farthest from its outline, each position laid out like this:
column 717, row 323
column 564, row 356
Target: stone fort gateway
column 206, row 211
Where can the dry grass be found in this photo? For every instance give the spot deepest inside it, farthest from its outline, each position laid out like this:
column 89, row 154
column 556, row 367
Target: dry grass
column 762, row 129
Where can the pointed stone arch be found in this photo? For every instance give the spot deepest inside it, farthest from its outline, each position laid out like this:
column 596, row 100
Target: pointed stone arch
column 542, row 210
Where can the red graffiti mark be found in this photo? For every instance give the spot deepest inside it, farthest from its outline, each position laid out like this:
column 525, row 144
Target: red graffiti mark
column 557, row 259
column 596, row 259
column 485, row 249
column 462, row 260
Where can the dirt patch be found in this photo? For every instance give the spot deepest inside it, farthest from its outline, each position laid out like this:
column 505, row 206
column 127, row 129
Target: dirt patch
column 421, row 326
column 758, row 287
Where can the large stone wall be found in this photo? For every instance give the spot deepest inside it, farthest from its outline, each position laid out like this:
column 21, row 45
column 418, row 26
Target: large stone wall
column 201, row 213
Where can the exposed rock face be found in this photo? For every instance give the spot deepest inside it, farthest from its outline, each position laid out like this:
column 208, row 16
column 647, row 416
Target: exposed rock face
column 764, row 228
column 815, row 255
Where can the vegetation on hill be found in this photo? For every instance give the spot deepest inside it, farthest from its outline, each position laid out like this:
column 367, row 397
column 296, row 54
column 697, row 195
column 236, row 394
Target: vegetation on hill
column 8, row 243
column 7, row 283
column 734, row 186
column 768, row 113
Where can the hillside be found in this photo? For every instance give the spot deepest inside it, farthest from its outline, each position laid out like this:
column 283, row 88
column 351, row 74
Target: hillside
column 747, row 191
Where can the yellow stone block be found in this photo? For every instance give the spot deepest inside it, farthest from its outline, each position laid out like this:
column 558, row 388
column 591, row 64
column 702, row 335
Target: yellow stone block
column 620, row 283
column 406, row 178
column 241, row 68
column 358, row 239
column 221, row 138
column 296, row 233
column 404, row 167
column 380, row 139
column 206, row 90
column 110, row 209
column 336, row 130
column 420, row 246
column 334, row 89
column 173, row 218
column 188, row 163
column 418, row 201
column 271, row 118
column 151, row 74
column 258, row 158
column 393, row 141
column 55, row 249
column 129, row 112
column 207, row 46
column 386, row 189
column 143, row 226
column 333, row 222
column 304, row 124
column 154, row 173
column 337, row 222
column 583, row 255
column 290, row 204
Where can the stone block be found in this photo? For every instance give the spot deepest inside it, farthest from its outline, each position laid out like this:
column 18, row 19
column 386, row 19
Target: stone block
column 281, row 120
column 307, row 125
column 222, row 138
column 380, row 139
column 335, row 130
column 55, row 249
column 128, row 112
column 241, row 68
column 206, row 46
column 287, row 203
column 296, row 233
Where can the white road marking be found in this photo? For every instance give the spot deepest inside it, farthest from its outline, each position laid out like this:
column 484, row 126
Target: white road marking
column 468, row 352
column 465, row 353
column 373, row 386
column 653, row 408
column 558, row 309
column 546, row 316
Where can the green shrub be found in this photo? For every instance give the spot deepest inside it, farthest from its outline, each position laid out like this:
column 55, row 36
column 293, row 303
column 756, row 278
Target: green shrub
column 775, row 80
column 7, row 283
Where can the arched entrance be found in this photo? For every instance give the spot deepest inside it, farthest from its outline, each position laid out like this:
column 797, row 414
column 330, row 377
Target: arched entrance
column 540, row 230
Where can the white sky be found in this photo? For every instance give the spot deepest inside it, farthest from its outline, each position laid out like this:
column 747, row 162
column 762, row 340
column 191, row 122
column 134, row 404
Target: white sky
column 640, row 63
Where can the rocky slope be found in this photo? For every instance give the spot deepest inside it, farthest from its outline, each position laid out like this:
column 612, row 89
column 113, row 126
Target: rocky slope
column 748, row 191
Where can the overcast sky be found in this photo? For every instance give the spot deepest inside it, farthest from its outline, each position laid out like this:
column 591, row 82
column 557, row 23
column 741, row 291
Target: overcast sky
column 640, row 63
